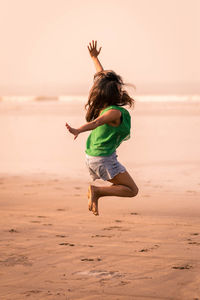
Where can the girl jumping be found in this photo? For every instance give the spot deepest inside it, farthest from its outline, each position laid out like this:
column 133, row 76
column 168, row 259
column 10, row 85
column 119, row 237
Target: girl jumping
column 110, row 123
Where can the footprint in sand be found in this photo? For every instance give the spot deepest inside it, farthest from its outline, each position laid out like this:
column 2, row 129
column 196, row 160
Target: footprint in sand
column 118, row 221
column 111, row 227
column 63, row 277
column 194, row 243
column 119, row 228
column 134, row 213
column 41, row 216
column 91, row 259
column 195, row 233
column 67, row 244
column 14, row 260
column 35, row 222
column 124, row 282
column 104, row 281
column 32, row 292
column 100, row 274
column 149, row 249
column 13, row 230
column 184, row 267
column 144, row 250
column 60, row 209
column 101, row 236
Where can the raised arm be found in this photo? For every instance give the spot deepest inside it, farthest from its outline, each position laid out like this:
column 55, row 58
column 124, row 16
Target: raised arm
column 94, row 55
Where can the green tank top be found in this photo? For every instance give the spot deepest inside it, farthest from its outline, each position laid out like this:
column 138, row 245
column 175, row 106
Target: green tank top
column 105, row 139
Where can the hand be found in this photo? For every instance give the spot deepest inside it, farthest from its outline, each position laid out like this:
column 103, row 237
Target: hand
column 73, row 131
column 93, row 49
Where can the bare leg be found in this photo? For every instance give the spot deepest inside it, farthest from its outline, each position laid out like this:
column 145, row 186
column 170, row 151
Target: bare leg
column 122, row 186
column 93, row 200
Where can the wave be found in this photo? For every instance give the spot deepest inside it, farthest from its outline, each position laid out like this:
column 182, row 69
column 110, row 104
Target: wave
column 82, row 98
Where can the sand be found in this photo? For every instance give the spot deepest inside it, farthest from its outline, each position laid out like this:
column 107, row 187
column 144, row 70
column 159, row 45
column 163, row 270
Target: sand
column 52, row 247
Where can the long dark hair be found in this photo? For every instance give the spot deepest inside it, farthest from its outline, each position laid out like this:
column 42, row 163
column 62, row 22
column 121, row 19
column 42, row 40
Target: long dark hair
column 106, row 90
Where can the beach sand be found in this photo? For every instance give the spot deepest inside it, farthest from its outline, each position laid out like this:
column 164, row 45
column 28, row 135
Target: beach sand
column 52, row 247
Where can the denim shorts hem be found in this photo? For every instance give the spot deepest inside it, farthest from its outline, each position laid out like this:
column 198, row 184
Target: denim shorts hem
column 104, row 167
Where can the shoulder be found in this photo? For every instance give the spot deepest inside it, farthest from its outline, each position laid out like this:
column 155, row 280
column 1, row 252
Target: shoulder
column 119, row 110
column 107, row 116
column 111, row 110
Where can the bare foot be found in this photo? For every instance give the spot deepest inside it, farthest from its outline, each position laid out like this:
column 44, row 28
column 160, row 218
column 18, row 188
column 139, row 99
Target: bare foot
column 93, row 200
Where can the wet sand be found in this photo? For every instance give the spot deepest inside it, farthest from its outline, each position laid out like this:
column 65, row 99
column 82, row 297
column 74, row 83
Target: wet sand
column 52, row 247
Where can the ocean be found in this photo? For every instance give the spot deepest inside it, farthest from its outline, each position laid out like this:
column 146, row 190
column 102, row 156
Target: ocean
column 83, row 98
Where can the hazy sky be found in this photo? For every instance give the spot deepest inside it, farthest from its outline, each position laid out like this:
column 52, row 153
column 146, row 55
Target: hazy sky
column 154, row 44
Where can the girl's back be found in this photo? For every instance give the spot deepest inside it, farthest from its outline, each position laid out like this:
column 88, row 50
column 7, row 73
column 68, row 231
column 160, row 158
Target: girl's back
column 105, row 139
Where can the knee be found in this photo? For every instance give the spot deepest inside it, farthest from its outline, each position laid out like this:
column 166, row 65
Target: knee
column 134, row 191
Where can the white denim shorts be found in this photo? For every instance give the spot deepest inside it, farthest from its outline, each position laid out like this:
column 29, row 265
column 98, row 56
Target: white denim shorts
column 104, row 167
